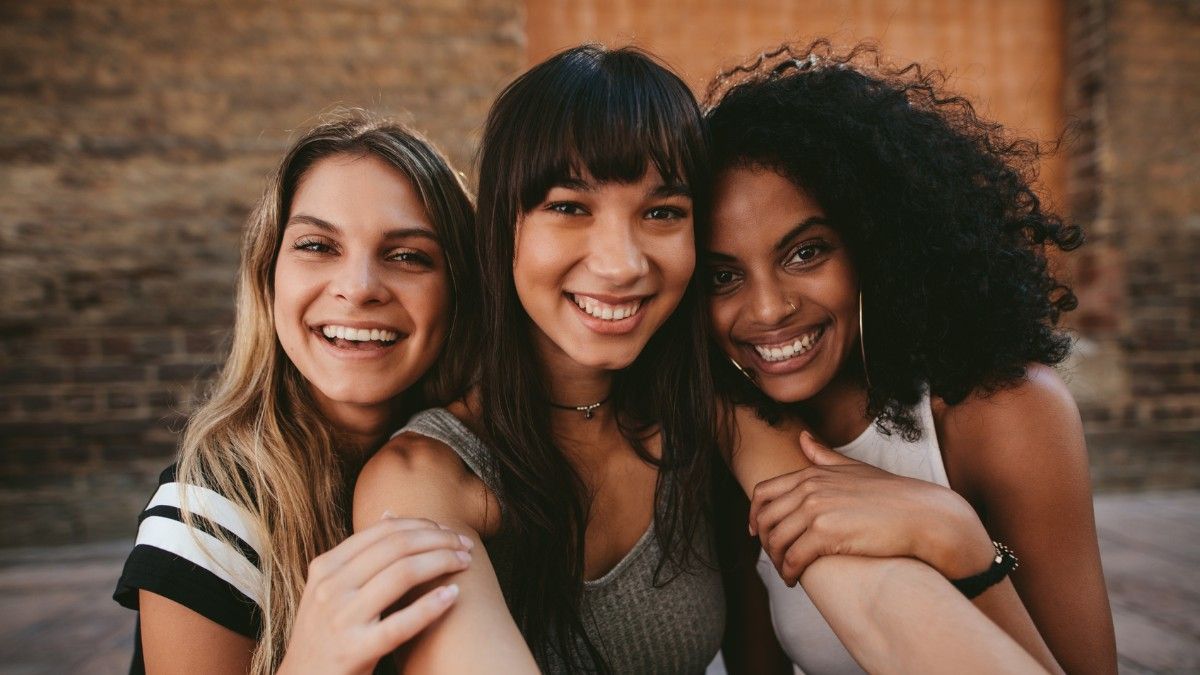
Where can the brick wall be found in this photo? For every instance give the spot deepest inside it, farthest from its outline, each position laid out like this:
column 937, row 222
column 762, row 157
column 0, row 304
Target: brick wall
column 1134, row 181
column 136, row 135
column 135, row 138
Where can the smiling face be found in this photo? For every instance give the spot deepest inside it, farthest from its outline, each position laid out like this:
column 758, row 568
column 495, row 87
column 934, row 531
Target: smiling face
column 361, row 289
column 784, row 301
column 600, row 266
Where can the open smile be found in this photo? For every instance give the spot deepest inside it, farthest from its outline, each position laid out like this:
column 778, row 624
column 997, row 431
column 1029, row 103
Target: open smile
column 787, row 355
column 365, row 340
column 609, row 315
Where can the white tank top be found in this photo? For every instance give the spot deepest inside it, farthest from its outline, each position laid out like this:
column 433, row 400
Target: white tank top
column 802, row 631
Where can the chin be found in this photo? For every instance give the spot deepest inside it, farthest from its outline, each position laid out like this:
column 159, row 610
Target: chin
column 784, row 392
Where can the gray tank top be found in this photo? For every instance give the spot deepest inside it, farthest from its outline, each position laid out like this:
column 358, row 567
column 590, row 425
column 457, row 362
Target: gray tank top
column 674, row 628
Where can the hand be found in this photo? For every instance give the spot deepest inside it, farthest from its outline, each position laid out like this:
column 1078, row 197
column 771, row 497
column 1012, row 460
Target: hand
column 338, row 626
column 842, row 506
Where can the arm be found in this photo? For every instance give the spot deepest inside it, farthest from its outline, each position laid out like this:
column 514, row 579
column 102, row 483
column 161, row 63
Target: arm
column 882, row 610
column 839, row 505
column 1019, row 457
column 418, row 477
column 337, row 627
column 176, row 639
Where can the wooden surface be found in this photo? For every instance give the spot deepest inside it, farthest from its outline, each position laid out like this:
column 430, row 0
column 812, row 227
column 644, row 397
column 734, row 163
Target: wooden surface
column 57, row 613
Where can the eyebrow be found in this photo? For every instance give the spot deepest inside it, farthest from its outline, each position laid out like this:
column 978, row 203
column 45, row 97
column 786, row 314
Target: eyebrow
column 796, row 231
column 783, row 242
column 397, row 233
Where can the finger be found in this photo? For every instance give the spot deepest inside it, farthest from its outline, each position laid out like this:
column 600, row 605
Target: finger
column 398, row 579
column 784, row 534
column 359, row 570
column 769, row 490
column 820, row 454
column 802, row 553
column 404, row 625
column 356, row 543
column 771, row 515
column 768, row 513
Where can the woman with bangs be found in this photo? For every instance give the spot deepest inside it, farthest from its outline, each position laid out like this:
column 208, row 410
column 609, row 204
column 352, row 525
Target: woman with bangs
column 878, row 278
column 581, row 465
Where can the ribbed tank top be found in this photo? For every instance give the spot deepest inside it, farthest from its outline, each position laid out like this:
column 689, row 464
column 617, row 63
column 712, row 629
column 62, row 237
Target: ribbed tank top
column 802, row 631
column 639, row 628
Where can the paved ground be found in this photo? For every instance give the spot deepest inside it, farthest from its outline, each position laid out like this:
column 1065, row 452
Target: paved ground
column 57, row 616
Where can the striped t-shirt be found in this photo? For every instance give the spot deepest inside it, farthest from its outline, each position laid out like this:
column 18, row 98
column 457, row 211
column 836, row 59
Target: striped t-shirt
column 217, row 579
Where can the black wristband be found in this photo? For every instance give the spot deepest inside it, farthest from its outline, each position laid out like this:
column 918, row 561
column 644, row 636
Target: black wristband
column 1004, row 562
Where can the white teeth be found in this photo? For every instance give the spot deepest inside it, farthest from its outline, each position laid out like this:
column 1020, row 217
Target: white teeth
column 605, row 311
column 358, row 334
column 791, row 350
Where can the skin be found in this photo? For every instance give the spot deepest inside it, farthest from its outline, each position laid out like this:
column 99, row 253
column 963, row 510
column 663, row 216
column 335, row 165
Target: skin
column 358, row 250
column 1016, row 459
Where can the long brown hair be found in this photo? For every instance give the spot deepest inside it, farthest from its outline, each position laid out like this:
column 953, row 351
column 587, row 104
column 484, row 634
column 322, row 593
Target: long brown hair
column 615, row 114
column 259, row 438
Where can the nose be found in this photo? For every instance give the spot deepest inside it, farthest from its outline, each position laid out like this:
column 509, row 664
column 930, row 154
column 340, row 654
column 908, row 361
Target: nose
column 769, row 303
column 616, row 252
column 358, row 281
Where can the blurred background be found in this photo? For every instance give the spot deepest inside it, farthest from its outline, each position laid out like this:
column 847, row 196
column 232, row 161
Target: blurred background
column 134, row 137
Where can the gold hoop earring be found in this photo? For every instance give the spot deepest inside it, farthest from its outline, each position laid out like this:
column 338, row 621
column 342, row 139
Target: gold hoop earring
column 862, row 340
column 745, row 373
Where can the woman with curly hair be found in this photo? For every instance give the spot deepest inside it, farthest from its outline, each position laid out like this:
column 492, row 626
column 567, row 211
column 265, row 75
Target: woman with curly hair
column 878, row 275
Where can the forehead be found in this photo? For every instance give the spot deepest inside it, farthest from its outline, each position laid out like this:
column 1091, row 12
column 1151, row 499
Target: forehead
column 359, row 189
column 753, row 207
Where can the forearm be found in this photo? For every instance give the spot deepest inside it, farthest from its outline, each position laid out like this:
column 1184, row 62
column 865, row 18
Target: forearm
column 901, row 616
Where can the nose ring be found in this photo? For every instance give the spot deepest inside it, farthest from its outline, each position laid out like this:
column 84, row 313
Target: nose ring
column 790, row 304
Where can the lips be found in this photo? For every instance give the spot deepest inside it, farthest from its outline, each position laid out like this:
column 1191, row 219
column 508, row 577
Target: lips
column 779, row 356
column 791, row 348
column 361, row 338
column 608, row 315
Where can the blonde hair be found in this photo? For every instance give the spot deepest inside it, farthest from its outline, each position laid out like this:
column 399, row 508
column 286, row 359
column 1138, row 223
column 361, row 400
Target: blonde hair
column 259, row 438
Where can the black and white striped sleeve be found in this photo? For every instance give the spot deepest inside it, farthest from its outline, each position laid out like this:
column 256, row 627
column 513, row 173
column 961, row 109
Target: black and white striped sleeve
column 211, row 568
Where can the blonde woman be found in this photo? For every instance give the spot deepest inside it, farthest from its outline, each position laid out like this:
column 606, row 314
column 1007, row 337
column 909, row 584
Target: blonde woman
column 350, row 264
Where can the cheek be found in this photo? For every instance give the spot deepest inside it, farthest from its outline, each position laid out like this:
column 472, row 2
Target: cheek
column 721, row 315
column 428, row 305
column 677, row 260
column 287, row 294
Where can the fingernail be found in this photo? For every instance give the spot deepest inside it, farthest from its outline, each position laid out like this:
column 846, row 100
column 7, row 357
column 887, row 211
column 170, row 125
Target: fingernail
column 466, row 541
column 463, row 556
column 447, row 593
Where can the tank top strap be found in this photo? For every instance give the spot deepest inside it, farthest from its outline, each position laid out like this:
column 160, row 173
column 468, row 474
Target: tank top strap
column 929, row 440
column 442, row 425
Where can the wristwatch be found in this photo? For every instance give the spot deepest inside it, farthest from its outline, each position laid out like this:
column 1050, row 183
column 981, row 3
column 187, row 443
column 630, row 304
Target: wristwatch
column 1004, row 562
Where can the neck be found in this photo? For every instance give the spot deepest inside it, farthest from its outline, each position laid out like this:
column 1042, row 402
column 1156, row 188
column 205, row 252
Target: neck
column 362, row 428
column 838, row 413
column 570, row 383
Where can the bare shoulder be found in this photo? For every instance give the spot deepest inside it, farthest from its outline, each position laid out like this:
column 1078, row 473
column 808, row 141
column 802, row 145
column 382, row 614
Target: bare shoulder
column 1032, row 426
column 1040, row 397
column 421, row 477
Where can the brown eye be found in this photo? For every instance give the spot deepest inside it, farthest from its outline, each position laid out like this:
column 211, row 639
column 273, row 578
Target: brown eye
column 722, row 278
column 808, row 253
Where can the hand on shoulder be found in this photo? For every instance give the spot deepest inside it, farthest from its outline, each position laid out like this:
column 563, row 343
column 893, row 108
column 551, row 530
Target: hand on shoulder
column 343, row 625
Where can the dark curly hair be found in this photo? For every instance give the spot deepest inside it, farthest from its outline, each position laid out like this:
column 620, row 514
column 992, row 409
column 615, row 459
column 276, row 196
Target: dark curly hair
column 937, row 209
